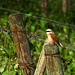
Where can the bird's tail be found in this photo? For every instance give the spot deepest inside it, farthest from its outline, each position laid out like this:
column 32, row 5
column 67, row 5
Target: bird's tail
column 61, row 45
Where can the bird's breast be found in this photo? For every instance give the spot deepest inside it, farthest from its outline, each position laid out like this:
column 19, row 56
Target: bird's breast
column 51, row 39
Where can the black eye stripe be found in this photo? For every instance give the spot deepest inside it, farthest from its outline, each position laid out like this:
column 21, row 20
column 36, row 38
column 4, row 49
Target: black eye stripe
column 48, row 31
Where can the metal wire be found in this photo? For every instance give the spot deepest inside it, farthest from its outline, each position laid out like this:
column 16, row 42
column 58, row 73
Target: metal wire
column 40, row 18
column 31, row 36
column 42, row 40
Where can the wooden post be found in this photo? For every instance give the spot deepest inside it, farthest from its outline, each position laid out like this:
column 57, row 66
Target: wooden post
column 40, row 68
column 53, row 61
column 21, row 43
column 64, row 6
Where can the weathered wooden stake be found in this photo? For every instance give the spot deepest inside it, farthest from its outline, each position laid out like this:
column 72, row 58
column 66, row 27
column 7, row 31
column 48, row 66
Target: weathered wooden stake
column 21, row 43
column 41, row 64
column 53, row 61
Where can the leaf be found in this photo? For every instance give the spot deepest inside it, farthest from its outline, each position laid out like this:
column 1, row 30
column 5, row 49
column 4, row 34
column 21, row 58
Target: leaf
column 9, row 73
column 42, row 24
column 32, row 28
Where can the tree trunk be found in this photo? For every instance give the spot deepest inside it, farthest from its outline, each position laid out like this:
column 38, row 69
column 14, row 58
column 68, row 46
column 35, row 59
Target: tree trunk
column 69, row 3
column 65, row 4
column 44, row 7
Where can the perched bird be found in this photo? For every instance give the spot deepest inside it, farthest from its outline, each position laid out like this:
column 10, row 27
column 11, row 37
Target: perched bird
column 52, row 37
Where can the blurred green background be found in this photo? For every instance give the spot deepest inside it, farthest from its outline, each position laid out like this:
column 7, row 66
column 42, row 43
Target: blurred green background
column 46, row 9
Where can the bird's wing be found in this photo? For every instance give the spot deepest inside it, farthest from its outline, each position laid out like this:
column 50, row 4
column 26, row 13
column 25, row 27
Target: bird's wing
column 55, row 37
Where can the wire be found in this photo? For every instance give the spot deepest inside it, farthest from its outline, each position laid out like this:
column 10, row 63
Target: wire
column 40, row 18
column 4, row 30
column 9, row 10
column 38, row 39
column 53, row 21
column 42, row 40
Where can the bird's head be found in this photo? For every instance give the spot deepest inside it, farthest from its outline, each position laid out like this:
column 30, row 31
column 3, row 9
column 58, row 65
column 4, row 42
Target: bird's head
column 48, row 31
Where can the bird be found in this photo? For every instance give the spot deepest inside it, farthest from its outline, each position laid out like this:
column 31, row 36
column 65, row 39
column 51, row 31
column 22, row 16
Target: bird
column 53, row 38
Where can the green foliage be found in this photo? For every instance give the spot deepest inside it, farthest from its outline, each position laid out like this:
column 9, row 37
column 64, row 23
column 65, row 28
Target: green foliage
column 9, row 73
column 36, row 27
